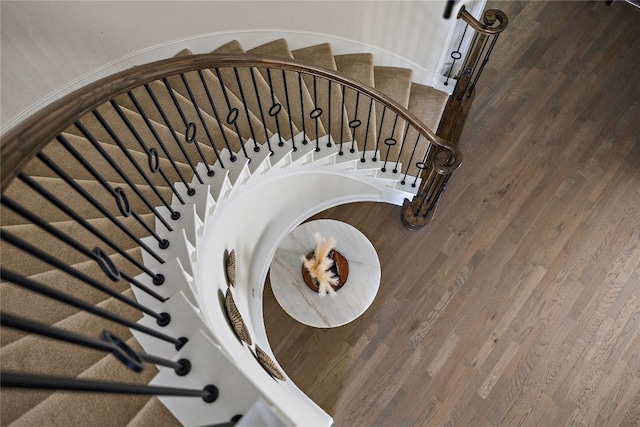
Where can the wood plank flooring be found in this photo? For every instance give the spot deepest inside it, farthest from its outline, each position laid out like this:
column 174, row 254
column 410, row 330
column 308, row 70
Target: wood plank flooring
column 520, row 304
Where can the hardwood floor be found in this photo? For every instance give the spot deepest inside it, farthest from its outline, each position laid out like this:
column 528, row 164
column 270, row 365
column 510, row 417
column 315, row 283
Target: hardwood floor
column 520, row 303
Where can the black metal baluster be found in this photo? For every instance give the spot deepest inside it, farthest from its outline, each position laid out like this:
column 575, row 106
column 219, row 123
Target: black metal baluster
column 387, row 142
column 275, row 109
column 190, row 190
column 384, row 110
column 97, row 254
column 107, row 342
column 175, row 215
column 329, row 116
column 88, row 197
column 264, row 123
column 126, row 152
column 206, row 129
column 304, row 127
column 466, row 71
column 355, row 123
column 393, row 132
column 456, row 55
column 286, row 95
column 244, row 103
column 366, row 134
column 217, row 116
column 189, row 124
column 170, row 126
column 415, row 146
column 57, row 263
column 316, row 112
column 147, row 150
column 163, row 243
column 158, row 279
column 62, row 297
column 484, row 63
column 441, row 188
column 209, row 393
column 342, row 115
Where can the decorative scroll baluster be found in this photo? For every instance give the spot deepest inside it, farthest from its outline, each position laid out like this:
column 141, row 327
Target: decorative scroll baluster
column 209, row 393
column 62, row 297
column 413, row 152
column 375, row 150
column 96, row 254
column 456, row 55
column 136, row 135
column 126, row 152
column 133, row 98
column 264, row 123
column 366, row 132
column 286, row 95
column 244, row 102
column 355, row 123
column 217, row 116
column 108, row 187
column 275, row 108
column 191, row 125
column 167, row 122
column 316, row 112
column 56, row 263
column 304, row 126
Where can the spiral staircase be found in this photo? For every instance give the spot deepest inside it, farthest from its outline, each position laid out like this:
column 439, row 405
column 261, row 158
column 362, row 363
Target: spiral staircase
column 147, row 214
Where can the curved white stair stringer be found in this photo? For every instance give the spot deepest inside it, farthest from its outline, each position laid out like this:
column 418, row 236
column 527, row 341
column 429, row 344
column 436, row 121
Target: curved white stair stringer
column 253, row 225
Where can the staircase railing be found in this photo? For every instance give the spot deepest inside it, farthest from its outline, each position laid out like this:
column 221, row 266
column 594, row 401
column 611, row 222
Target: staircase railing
column 418, row 212
column 88, row 188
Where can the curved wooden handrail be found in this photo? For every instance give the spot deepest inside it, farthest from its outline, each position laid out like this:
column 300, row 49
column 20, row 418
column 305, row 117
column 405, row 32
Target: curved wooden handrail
column 489, row 17
column 24, row 141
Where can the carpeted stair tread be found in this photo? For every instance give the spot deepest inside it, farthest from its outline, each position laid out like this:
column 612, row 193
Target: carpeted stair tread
column 129, row 140
column 322, row 56
column 18, row 300
column 56, row 186
column 244, row 86
column 427, row 104
column 17, row 260
column 359, row 67
column 35, row 355
column 396, row 84
column 220, row 95
column 154, row 413
column 175, row 119
column 297, row 89
column 63, row 409
column 58, row 154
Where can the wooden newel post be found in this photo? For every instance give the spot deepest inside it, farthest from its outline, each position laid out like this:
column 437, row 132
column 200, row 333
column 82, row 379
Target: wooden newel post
column 418, row 212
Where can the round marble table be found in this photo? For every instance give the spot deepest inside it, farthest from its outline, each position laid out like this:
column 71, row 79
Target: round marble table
column 304, row 304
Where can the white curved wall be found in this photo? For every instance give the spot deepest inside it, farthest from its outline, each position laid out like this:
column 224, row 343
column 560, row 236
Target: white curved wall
column 51, row 48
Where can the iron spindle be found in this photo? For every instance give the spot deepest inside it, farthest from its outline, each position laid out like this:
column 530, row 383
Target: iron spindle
column 393, row 132
column 355, row 123
column 264, row 123
column 286, row 96
column 206, row 128
column 90, row 281
column 415, row 146
column 191, row 139
column 366, row 134
column 171, row 128
column 126, row 152
column 244, row 103
column 101, row 179
column 217, row 116
column 275, row 109
column 484, row 63
column 158, row 279
column 146, row 149
column 329, row 116
column 375, row 151
column 73, row 243
column 343, row 111
column 209, row 393
column 159, row 140
column 304, row 127
column 49, row 292
column 88, row 197
column 316, row 112
column 455, row 55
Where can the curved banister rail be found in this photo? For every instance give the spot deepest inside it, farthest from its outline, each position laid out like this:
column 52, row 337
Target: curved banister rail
column 23, row 142
column 490, row 16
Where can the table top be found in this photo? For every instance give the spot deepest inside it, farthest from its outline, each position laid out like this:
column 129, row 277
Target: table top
column 304, row 304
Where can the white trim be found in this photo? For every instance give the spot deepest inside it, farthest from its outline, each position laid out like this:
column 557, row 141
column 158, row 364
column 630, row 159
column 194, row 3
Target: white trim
column 249, row 38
